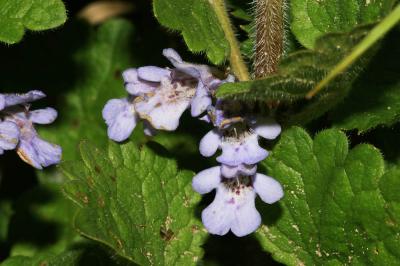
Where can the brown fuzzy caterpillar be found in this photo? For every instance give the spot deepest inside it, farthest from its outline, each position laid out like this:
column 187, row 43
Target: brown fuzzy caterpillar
column 270, row 36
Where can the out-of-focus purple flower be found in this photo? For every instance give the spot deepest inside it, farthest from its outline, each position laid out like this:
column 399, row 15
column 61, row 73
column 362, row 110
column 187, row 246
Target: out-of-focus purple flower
column 32, row 149
column 233, row 207
column 9, row 136
column 10, row 99
column 240, row 148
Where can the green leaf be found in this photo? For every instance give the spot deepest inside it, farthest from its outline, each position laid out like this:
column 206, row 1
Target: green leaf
column 340, row 206
column 137, row 203
column 100, row 61
column 16, row 16
column 375, row 98
column 312, row 19
column 198, row 23
column 299, row 72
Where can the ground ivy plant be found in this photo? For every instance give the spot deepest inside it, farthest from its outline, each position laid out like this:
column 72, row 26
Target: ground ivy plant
column 200, row 132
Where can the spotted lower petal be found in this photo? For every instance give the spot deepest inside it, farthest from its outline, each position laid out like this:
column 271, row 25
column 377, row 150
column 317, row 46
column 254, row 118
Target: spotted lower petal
column 246, row 219
column 218, row 216
column 167, row 116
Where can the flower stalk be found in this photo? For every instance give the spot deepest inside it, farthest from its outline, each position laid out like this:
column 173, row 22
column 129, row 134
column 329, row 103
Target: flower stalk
column 237, row 63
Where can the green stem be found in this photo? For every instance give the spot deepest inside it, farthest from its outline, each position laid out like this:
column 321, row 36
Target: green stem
column 239, row 68
column 373, row 36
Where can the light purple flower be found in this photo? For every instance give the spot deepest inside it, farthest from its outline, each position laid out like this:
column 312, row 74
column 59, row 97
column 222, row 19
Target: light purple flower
column 207, row 82
column 120, row 117
column 32, row 149
column 164, row 107
column 10, row 99
column 239, row 148
column 9, row 136
column 233, row 207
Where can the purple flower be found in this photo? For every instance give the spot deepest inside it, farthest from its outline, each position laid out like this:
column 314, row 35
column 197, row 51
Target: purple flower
column 233, row 207
column 163, row 107
column 207, row 82
column 120, row 117
column 32, row 149
column 159, row 96
column 239, row 147
column 9, row 136
column 10, row 99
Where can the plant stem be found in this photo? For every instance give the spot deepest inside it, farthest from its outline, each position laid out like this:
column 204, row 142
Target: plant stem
column 373, row 36
column 239, row 68
column 269, row 36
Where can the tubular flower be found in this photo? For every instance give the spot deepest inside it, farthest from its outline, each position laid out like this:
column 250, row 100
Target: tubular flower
column 159, row 96
column 233, row 207
column 31, row 148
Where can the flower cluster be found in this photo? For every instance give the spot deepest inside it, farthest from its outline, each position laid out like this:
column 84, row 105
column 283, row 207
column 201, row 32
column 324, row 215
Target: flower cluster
column 17, row 129
column 159, row 96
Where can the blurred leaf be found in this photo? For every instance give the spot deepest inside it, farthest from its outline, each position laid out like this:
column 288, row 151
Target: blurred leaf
column 340, row 207
column 375, row 98
column 137, row 203
column 42, row 222
column 6, row 212
column 299, row 72
column 35, row 15
column 197, row 21
column 100, row 61
column 74, row 257
column 312, row 19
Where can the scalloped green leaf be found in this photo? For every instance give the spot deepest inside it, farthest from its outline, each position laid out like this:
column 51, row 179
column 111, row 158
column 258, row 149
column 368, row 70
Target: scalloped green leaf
column 311, row 19
column 37, row 15
column 137, row 203
column 340, row 206
column 198, row 23
column 299, row 72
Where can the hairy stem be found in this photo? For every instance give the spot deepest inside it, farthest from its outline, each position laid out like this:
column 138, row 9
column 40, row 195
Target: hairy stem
column 373, row 36
column 269, row 36
column 238, row 66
